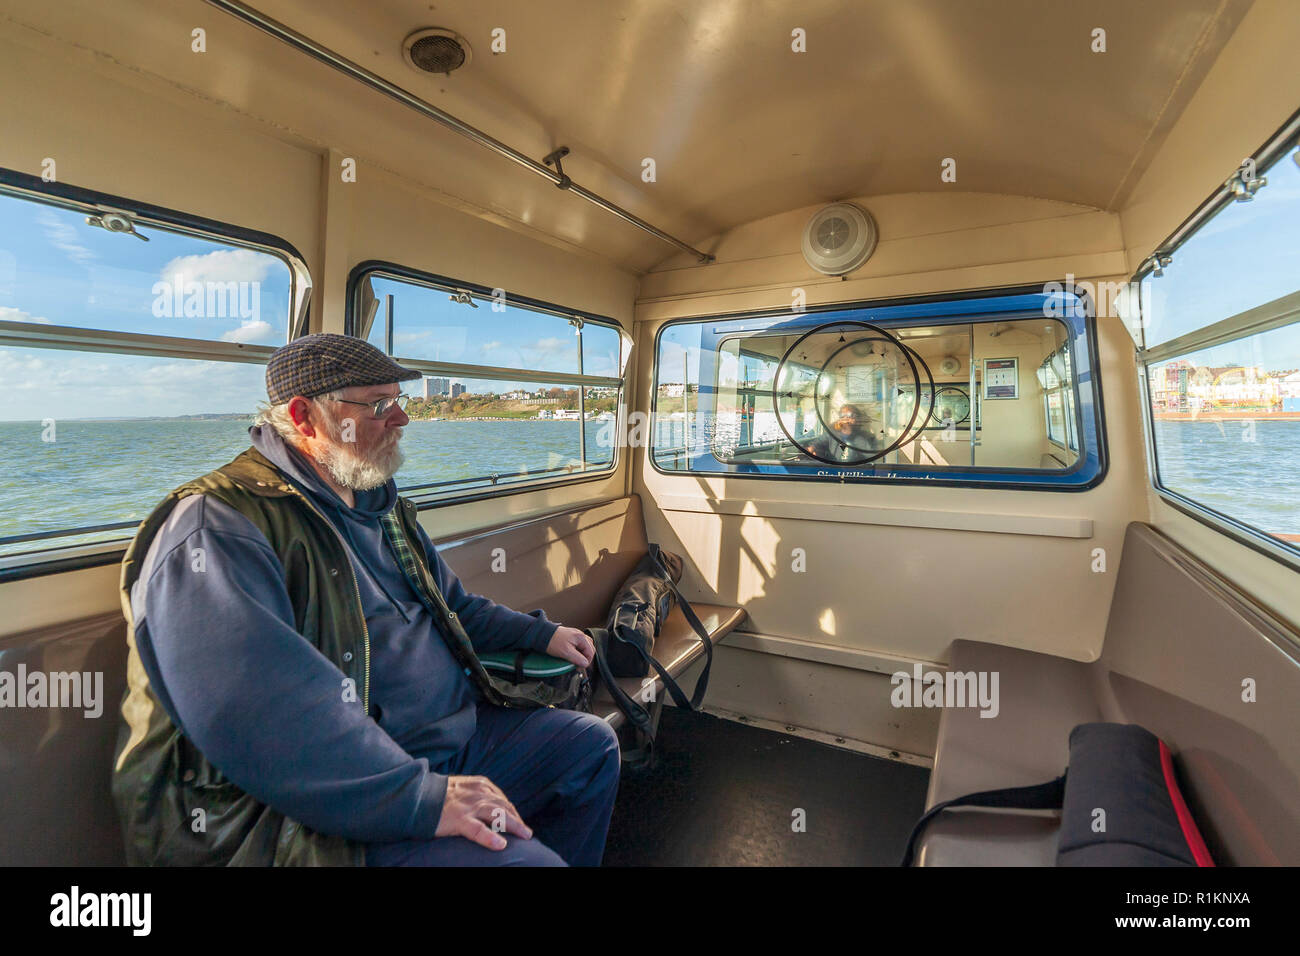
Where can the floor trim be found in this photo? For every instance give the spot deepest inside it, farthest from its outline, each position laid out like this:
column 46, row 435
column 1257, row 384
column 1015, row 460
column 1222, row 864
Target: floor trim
column 844, row 743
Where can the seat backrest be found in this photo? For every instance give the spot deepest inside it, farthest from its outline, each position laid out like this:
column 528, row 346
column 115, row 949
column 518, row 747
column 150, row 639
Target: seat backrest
column 1198, row 663
column 569, row 564
column 56, row 762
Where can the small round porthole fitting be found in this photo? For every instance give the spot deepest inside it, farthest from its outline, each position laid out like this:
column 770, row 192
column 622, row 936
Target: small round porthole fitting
column 436, row 50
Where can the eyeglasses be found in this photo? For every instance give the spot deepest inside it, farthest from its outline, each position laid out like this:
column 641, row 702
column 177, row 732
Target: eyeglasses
column 382, row 407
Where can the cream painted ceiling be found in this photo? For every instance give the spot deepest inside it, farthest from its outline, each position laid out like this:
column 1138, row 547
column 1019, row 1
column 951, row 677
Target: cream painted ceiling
column 740, row 126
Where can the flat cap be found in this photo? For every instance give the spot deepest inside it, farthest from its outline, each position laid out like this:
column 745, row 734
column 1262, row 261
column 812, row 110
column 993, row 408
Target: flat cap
column 315, row 364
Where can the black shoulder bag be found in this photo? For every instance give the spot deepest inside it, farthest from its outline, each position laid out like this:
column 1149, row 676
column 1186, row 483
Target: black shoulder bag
column 624, row 647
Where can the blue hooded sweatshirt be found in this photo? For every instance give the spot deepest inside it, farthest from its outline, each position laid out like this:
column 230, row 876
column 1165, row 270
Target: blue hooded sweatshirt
column 264, row 705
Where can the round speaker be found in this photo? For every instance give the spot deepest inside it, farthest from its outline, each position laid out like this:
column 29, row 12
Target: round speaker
column 839, row 238
column 435, row 50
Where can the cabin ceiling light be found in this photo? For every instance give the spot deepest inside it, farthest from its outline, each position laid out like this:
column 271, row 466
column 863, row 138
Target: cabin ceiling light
column 435, row 50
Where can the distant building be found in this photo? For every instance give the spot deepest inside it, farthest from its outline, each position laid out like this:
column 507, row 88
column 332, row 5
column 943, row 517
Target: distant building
column 434, row 387
column 457, row 389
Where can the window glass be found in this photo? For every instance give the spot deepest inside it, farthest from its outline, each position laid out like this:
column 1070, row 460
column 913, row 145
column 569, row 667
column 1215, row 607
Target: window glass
column 467, row 433
column 1225, row 412
column 57, row 269
column 470, row 431
column 96, row 433
column 832, row 395
column 1246, row 255
column 470, row 329
column 1226, row 426
column 95, row 441
column 601, row 348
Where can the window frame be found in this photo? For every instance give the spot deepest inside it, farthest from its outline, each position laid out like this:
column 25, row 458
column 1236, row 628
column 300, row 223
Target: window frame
column 1230, row 329
column 424, row 499
column 74, row 557
column 1095, row 461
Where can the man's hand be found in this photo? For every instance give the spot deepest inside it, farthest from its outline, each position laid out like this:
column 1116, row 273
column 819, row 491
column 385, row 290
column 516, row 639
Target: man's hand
column 570, row 644
column 476, row 809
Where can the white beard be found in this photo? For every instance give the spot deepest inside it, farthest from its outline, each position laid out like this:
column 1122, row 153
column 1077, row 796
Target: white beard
column 354, row 471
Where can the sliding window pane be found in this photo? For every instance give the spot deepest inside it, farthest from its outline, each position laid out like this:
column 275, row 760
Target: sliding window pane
column 1226, row 425
column 94, row 439
column 57, row 269
column 1246, row 255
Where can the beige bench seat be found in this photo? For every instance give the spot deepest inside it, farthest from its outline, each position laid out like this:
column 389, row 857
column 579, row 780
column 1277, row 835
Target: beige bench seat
column 1180, row 640
column 571, row 565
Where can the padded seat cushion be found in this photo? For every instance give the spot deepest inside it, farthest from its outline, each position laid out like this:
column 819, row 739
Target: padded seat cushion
column 1040, row 700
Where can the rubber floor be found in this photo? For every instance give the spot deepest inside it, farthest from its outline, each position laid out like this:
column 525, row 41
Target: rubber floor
column 729, row 794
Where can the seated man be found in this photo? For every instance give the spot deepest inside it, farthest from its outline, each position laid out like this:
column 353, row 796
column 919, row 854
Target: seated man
column 290, row 697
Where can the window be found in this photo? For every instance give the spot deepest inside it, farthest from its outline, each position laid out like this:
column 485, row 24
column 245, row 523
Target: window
column 515, row 391
column 132, row 341
column 1054, row 376
column 941, row 391
column 1220, row 351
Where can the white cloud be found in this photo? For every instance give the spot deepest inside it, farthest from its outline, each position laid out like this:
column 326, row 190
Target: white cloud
column 10, row 314
column 255, row 331
column 553, row 344
column 63, row 235
column 223, row 265
column 410, row 336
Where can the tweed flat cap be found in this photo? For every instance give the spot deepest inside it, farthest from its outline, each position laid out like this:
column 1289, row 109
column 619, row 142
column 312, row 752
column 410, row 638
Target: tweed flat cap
column 315, row 364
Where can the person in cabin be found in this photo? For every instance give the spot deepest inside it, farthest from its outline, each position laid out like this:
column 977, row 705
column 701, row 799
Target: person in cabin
column 291, row 695
column 849, row 439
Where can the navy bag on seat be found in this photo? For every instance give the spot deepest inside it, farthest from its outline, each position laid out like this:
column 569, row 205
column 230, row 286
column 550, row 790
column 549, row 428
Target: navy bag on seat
column 1125, row 772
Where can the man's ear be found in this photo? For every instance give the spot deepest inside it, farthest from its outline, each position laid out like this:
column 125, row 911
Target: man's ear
column 300, row 414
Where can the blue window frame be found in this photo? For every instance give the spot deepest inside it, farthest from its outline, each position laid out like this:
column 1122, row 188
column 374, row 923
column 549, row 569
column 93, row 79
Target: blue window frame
column 746, row 395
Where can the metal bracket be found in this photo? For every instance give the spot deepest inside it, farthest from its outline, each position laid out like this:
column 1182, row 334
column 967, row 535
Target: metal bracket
column 553, row 159
column 1243, row 188
column 114, row 220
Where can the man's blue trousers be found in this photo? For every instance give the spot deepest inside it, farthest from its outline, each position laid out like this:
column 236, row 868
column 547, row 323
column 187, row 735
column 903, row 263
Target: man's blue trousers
column 560, row 770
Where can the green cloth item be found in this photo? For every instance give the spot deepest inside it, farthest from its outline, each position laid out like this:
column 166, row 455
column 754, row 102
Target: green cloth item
column 535, row 665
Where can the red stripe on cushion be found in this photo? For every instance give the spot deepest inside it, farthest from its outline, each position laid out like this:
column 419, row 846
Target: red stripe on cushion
column 1200, row 852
